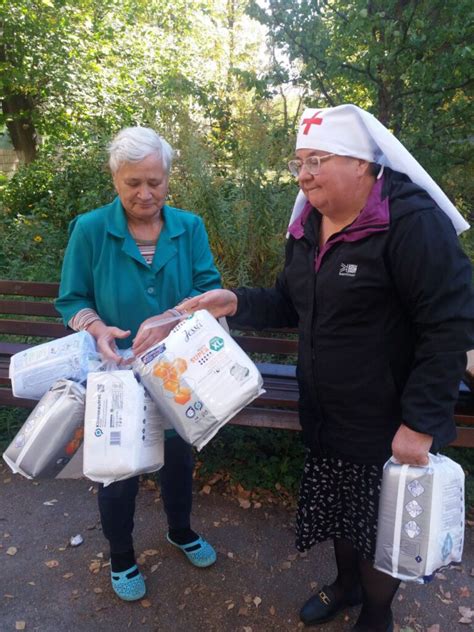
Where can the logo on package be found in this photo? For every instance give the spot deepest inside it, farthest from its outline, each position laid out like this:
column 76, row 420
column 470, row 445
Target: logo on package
column 151, row 355
column 216, row 343
column 348, row 269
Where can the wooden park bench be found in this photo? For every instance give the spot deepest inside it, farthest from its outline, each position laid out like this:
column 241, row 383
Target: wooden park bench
column 28, row 317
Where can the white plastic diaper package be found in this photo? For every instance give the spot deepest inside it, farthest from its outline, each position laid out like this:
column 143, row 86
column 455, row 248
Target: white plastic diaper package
column 199, row 377
column 49, row 444
column 123, row 432
column 34, row 370
column 421, row 519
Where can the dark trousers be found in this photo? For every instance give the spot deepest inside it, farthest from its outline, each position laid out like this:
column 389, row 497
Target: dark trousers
column 117, row 500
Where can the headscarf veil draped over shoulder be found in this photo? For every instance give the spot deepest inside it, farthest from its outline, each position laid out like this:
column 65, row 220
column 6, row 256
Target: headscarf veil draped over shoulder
column 347, row 130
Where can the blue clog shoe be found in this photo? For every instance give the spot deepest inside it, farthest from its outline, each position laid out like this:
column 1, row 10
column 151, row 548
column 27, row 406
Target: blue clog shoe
column 199, row 552
column 126, row 587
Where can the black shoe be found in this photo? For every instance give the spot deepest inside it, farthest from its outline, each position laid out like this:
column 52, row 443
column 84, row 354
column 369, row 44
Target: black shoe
column 324, row 606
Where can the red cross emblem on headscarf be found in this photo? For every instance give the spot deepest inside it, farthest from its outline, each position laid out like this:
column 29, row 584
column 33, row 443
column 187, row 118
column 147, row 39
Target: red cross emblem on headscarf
column 311, row 121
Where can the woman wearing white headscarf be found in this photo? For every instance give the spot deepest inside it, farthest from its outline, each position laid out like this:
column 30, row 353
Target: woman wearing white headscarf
column 380, row 290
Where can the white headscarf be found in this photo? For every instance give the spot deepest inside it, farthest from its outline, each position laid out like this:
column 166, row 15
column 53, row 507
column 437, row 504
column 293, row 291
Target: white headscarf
column 347, row 130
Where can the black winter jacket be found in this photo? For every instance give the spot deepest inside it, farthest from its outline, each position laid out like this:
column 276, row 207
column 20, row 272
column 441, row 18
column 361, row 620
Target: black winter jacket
column 383, row 327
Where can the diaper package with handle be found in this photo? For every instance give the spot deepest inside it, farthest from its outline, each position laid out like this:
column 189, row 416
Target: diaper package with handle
column 198, row 377
column 34, row 370
column 421, row 518
column 49, row 444
column 123, row 434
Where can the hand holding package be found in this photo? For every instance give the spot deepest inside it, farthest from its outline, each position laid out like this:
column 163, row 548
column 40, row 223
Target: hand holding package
column 199, row 377
column 421, row 518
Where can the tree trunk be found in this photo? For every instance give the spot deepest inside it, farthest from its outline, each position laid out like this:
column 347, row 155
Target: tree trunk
column 17, row 109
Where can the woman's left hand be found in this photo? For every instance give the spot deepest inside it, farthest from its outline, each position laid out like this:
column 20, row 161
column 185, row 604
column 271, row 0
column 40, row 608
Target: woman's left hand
column 151, row 331
column 411, row 447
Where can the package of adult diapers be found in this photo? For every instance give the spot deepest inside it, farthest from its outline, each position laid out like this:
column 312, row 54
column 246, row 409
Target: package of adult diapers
column 123, row 433
column 198, row 377
column 48, row 445
column 421, row 519
column 34, row 370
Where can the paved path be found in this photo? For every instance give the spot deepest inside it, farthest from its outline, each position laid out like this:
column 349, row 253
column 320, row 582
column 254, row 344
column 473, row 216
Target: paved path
column 257, row 584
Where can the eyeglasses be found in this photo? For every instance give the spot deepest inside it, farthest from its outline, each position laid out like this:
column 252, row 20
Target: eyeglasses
column 311, row 164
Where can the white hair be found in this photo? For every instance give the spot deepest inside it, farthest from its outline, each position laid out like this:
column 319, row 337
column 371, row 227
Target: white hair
column 133, row 144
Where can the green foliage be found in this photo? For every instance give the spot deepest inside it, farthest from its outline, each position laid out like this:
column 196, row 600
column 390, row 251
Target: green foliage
column 11, row 420
column 408, row 62
column 59, row 185
column 256, row 457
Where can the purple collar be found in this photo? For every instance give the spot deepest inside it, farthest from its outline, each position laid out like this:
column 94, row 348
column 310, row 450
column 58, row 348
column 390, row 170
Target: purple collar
column 373, row 218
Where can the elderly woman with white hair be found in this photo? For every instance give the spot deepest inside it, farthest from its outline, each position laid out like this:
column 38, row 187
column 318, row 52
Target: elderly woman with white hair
column 126, row 263
column 380, row 290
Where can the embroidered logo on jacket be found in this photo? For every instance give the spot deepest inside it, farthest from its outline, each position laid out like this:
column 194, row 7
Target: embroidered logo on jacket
column 348, row 269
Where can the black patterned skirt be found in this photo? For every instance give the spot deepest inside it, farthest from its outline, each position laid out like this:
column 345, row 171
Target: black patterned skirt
column 338, row 499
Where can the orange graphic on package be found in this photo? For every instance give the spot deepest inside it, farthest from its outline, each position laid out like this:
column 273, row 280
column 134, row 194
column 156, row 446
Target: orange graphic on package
column 170, row 373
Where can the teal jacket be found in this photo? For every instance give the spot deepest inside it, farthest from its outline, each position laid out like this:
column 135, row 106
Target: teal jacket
column 104, row 270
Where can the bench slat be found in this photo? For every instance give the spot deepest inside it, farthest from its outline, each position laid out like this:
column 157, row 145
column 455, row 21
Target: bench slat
column 28, row 308
column 37, row 328
column 267, row 345
column 29, row 288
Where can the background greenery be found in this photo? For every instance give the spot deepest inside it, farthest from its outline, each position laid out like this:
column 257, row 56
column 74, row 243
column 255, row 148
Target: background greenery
column 225, row 82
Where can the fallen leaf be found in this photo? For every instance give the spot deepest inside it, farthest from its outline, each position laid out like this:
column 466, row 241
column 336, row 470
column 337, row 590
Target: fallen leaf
column 150, row 552
column 230, row 606
column 50, row 503
column 94, row 566
column 206, row 489
column 464, row 591
column 248, row 598
column 286, row 565
column 154, row 568
column 52, row 563
column 440, row 576
column 68, row 575
column 244, row 503
column 141, row 559
column 187, row 590
column 272, row 610
column 257, row 601
column 466, row 612
column 314, row 585
column 145, row 603
column 7, row 596
column 292, row 558
column 98, row 591
column 231, row 555
column 247, row 628
column 433, row 628
column 12, row 550
column 217, row 477
column 243, row 611
column 20, row 625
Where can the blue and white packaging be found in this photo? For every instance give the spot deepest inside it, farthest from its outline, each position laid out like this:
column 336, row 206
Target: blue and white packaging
column 33, row 371
column 421, row 519
column 123, row 430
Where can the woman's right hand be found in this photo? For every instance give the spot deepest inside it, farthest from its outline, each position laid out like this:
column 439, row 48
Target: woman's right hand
column 105, row 339
column 217, row 302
